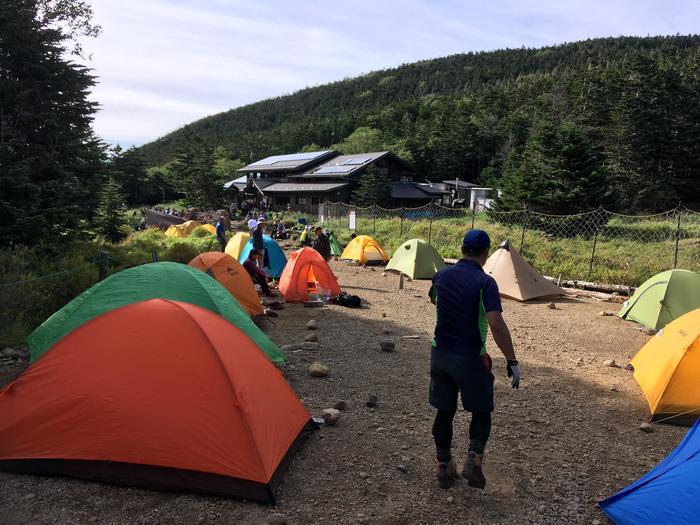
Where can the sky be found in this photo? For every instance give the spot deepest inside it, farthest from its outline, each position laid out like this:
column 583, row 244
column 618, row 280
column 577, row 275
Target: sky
column 164, row 63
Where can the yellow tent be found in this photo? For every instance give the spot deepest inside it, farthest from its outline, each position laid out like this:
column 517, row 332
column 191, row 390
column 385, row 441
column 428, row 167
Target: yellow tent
column 210, row 228
column 365, row 250
column 667, row 369
column 234, row 247
column 182, row 230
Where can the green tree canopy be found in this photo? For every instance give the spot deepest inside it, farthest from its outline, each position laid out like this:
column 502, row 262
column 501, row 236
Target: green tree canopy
column 374, row 188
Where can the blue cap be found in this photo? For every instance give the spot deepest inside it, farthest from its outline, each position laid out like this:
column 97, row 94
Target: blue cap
column 476, row 239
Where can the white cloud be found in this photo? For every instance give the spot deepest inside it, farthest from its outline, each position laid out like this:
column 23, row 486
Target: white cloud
column 162, row 63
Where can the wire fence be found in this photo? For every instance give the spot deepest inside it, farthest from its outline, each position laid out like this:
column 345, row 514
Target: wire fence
column 599, row 245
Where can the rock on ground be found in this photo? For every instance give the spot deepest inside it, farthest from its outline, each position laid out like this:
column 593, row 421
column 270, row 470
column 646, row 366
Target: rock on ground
column 312, row 324
column 331, row 416
column 311, row 338
column 341, row 405
column 318, row 370
column 387, row 346
column 372, row 401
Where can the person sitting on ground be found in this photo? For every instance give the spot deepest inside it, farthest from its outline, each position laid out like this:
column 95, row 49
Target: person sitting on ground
column 221, row 232
column 258, row 276
column 281, row 230
column 467, row 304
column 321, row 244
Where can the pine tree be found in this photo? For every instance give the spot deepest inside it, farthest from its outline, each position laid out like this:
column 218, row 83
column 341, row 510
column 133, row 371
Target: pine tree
column 373, row 188
column 110, row 216
column 194, row 172
column 49, row 159
column 557, row 172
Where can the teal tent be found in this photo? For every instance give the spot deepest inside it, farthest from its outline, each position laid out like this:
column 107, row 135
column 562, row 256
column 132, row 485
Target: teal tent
column 162, row 280
column 275, row 261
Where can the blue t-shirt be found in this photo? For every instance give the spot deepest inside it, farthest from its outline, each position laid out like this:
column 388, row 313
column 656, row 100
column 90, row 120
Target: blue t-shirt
column 220, row 231
column 463, row 293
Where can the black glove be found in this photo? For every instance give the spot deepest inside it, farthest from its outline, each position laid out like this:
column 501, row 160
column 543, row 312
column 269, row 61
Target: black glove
column 514, row 372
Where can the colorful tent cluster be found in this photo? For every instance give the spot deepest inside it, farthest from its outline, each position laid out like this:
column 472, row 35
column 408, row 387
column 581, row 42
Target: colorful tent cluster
column 182, row 230
column 669, row 493
column 365, row 250
column 417, row 259
column 163, row 280
column 307, row 273
column 158, row 394
column 667, row 369
column 229, row 272
column 663, row 298
column 516, row 279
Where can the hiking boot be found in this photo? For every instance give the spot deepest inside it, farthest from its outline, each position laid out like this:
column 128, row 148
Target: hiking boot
column 472, row 471
column 446, row 474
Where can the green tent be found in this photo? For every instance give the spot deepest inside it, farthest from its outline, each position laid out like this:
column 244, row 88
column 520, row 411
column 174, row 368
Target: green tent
column 417, row 259
column 663, row 298
column 335, row 245
column 162, row 280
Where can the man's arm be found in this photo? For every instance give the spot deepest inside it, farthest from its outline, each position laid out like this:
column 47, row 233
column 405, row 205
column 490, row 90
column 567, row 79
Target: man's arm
column 501, row 334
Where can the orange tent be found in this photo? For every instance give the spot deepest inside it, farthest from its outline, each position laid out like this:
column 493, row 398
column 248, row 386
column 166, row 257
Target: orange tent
column 229, row 272
column 306, row 272
column 157, row 394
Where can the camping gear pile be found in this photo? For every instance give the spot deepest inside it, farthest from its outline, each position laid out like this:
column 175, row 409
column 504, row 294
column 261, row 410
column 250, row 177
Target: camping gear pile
column 155, row 377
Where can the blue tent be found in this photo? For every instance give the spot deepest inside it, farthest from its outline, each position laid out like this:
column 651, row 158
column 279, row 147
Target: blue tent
column 275, row 262
column 669, row 493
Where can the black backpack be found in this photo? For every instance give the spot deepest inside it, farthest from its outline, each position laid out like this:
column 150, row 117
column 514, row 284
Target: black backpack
column 351, row 301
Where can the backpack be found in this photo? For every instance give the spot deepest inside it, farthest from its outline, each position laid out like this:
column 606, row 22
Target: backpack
column 345, row 299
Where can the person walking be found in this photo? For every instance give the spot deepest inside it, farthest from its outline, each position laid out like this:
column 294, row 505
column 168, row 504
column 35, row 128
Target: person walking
column 259, row 243
column 467, row 304
column 321, row 244
column 221, row 232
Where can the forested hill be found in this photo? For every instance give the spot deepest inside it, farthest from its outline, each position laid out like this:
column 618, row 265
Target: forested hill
column 631, row 103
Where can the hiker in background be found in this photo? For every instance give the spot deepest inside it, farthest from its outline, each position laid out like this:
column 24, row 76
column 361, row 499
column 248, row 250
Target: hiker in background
column 221, row 232
column 251, row 265
column 304, row 237
column 252, row 225
column 259, row 242
column 321, row 244
column 233, row 209
column 281, row 230
column 467, row 303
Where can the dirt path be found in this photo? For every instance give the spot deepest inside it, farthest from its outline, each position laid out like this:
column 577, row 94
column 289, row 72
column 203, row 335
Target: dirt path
column 560, row 443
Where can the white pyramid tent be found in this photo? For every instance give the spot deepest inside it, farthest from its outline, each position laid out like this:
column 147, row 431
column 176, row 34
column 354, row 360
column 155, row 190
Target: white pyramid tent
column 515, row 277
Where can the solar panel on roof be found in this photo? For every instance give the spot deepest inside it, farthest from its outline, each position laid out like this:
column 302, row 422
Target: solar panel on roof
column 289, row 158
column 355, row 162
column 335, row 169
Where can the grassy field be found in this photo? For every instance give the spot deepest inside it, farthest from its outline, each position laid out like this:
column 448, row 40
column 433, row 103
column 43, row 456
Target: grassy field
column 622, row 256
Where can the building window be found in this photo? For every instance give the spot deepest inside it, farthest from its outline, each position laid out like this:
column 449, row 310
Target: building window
column 301, row 200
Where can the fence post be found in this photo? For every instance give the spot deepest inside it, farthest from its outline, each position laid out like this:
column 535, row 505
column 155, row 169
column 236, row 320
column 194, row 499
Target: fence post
column 678, row 238
column 522, row 236
column 374, row 222
column 103, row 266
column 430, row 227
column 595, row 241
column 473, row 214
column 154, row 255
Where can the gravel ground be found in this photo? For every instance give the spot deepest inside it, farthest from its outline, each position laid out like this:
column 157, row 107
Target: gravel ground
column 559, row 443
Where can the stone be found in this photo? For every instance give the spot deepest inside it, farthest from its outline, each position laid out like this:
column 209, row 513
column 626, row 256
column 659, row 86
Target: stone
column 318, row 370
column 450, row 499
column 311, row 338
column 310, row 346
column 551, row 306
column 331, row 416
column 341, row 405
column 387, row 346
column 383, row 314
column 402, row 468
column 363, row 475
column 596, row 522
column 383, row 274
column 610, row 363
column 387, row 331
column 290, row 348
column 372, row 401
column 276, row 519
column 614, row 389
column 541, row 509
column 646, row 427
column 405, row 459
column 606, row 314
column 312, row 325
column 651, row 331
